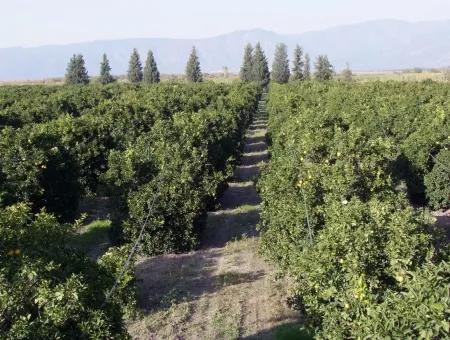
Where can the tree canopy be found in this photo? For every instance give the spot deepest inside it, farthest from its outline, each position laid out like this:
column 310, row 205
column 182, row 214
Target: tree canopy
column 105, row 71
column 280, row 67
column 260, row 68
column 298, row 64
column 151, row 73
column 324, row 69
column 246, row 68
column 76, row 72
column 193, row 70
column 135, row 68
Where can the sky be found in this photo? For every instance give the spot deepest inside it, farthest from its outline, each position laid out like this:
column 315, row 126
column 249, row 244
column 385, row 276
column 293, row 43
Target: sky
column 40, row 22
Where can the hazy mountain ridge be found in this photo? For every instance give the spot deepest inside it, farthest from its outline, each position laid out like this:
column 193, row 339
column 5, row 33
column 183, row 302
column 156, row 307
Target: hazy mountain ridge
column 374, row 45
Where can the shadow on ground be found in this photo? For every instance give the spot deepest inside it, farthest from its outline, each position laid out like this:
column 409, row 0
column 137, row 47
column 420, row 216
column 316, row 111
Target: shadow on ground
column 170, row 279
column 443, row 222
column 255, row 139
column 258, row 126
column 227, row 225
column 246, row 172
column 254, row 158
column 255, row 147
column 288, row 331
column 239, row 194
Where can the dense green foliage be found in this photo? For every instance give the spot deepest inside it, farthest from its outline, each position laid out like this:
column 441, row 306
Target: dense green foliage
column 162, row 153
column 260, row 67
column 134, row 73
column 76, row 72
column 37, row 104
column 335, row 217
column 151, row 73
column 280, row 67
column 437, row 181
column 183, row 162
column 193, row 70
column 50, row 159
column 48, row 291
column 55, row 161
column 297, row 64
column 246, row 68
column 105, row 71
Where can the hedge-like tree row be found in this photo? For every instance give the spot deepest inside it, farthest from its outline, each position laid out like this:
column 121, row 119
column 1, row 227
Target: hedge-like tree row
column 21, row 105
column 181, row 138
column 336, row 211
column 188, row 157
column 52, row 162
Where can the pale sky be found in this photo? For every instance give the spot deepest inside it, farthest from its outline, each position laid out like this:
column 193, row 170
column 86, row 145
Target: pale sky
column 39, row 22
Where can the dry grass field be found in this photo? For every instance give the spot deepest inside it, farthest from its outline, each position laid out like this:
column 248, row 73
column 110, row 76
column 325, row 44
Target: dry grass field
column 231, row 77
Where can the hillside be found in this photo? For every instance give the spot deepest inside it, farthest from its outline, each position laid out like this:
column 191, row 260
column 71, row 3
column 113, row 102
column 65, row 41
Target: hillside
column 374, row 45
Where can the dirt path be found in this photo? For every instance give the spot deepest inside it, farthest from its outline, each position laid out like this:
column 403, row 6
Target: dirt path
column 224, row 290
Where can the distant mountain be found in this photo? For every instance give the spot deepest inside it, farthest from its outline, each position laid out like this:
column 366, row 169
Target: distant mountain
column 374, row 45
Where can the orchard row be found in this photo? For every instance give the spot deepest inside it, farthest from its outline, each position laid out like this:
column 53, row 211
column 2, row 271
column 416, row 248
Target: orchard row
column 161, row 154
column 347, row 161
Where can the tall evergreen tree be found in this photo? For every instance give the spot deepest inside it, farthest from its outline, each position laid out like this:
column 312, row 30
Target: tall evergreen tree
column 260, row 68
column 280, row 67
column 324, row 69
column 105, row 71
column 134, row 68
column 307, row 68
column 76, row 72
column 246, row 68
column 297, row 64
column 193, row 71
column 151, row 73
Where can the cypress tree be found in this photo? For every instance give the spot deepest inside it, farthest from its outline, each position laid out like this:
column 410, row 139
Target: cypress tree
column 260, row 68
column 105, row 71
column 76, row 72
column 307, row 68
column 280, row 67
column 134, row 68
column 297, row 64
column 193, row 71
column 151, row 73
column 246, row 68
column 324, row 69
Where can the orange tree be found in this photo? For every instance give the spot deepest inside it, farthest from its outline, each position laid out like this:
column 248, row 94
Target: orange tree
column 49, row 291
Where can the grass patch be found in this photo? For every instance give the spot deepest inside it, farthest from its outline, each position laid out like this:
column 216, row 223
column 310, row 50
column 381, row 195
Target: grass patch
column 293, row 332
column 91, row 236
column 229, row 279
column 226, row 324
column 171, row 298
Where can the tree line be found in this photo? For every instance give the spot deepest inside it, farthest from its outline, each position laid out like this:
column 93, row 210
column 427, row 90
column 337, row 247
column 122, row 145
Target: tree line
column 76, row 72
column 254, row 67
